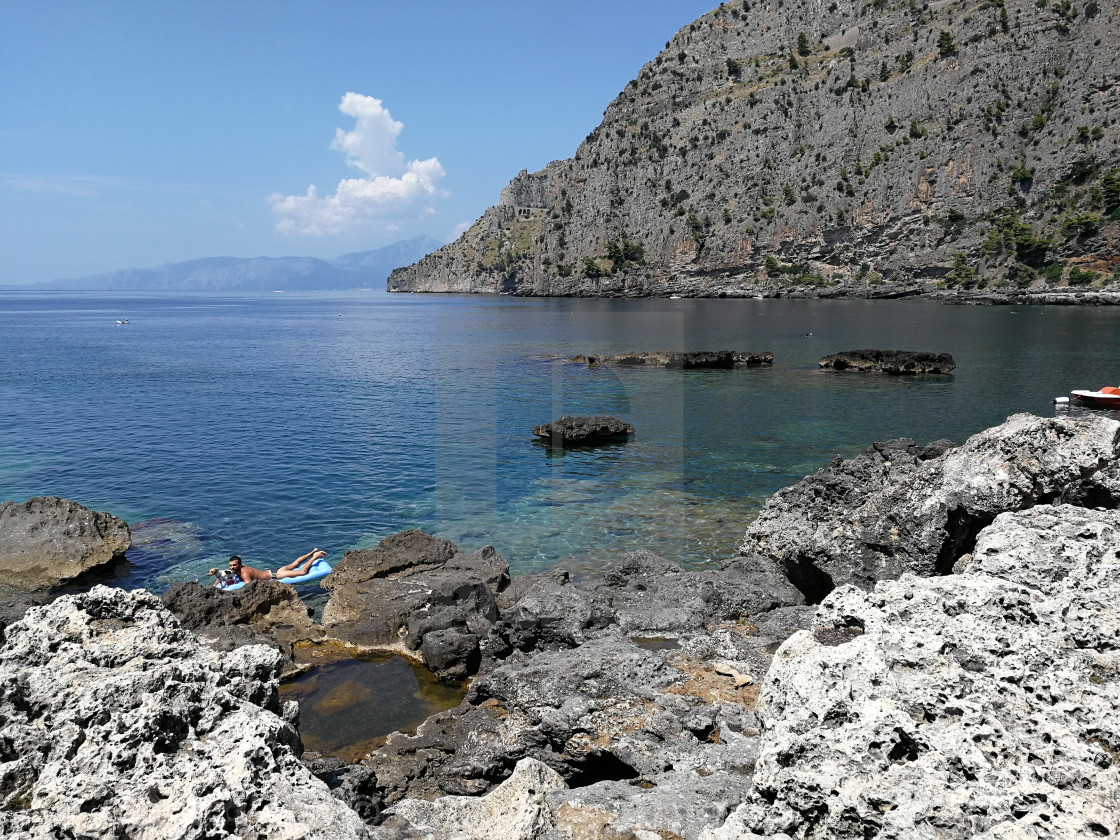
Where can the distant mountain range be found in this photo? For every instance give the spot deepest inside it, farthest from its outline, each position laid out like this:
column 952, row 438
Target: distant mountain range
column 236, row 274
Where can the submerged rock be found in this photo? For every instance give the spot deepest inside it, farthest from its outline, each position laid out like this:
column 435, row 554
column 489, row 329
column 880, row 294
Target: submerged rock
column 117, row 722
column 46, row 541
column 895, row 362
column 900, row 507
column 579, row 431
column 686, row 360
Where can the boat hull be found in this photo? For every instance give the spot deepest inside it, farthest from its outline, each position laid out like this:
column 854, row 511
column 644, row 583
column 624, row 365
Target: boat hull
column 1097, row 399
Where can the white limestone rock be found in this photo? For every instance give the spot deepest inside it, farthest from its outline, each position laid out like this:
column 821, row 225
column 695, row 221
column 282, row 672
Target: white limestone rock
column 515, row 810
column 977, row 705
column 116, row 722
column 894, row 509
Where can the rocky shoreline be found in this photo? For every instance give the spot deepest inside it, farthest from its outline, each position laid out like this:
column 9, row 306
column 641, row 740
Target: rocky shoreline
column 1108, row 296
column 917, row 642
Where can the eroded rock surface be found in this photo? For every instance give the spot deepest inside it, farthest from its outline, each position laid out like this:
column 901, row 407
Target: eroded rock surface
column 977, row 705
column 116, row 722
column 264, row 612
column 46, row 541
column 515, row 810
column 636, row 687
column 894, row 362
column 900, row 507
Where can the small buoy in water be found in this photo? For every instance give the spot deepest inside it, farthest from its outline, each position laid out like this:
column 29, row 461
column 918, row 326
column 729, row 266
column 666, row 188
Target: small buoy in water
column 1061, row 400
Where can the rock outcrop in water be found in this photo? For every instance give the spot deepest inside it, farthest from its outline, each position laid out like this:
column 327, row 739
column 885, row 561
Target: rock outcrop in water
column 893, row 362
column 831, row 149
column 584, row 431
column 47, row 540
column 902, row 508
column 685, row 360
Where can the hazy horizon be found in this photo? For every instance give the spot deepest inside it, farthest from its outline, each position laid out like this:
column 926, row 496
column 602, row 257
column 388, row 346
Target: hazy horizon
column 274, row 130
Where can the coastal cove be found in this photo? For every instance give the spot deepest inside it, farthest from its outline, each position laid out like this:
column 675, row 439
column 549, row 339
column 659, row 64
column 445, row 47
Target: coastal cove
column 265, row 424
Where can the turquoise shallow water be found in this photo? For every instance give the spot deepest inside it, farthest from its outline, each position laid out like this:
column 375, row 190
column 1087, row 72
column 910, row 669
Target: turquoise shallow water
column 265, row 425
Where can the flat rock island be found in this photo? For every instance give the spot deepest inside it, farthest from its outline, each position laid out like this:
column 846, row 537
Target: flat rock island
column 584, row 431
column 685, row 360
column 894, row 362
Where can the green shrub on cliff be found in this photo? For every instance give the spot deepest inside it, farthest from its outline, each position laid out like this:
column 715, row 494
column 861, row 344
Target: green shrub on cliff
column 622, row 252
column 1110, row 191
column 1009, row 233
column 961, row 274
column 1082, row 224
column 946, row 44
column 1021, row 275
column 1077, row 277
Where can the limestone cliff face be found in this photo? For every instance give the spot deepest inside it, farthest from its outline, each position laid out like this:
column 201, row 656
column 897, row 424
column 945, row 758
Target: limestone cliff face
column 832, row 147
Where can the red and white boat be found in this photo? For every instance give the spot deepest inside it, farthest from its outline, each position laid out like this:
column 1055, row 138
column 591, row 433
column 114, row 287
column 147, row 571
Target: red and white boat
column 1104, row 398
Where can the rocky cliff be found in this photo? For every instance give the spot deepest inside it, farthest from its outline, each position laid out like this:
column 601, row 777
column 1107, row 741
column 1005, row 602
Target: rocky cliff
column 841, row 148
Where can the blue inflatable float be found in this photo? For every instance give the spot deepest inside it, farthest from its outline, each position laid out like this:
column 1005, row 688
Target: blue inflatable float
column 319, row 569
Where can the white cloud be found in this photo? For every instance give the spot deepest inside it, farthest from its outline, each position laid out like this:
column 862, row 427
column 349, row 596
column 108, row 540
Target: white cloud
column 460, row 229
column 392, row 190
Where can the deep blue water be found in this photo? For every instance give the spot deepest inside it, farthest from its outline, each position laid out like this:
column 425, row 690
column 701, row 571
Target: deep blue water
column 265, row 425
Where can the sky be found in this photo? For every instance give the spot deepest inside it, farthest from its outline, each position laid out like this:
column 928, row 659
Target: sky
column 134, row 134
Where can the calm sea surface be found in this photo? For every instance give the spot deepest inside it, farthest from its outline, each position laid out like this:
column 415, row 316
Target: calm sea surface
column 265, row 425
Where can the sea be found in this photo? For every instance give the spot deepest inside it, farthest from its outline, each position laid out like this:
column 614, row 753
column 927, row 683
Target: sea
column 269, row 424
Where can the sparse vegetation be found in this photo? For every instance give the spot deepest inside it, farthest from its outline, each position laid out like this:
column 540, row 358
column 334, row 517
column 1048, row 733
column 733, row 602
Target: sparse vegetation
column 962, row 273
column 1082, row 224
column 946, row 44
column 1078, row 277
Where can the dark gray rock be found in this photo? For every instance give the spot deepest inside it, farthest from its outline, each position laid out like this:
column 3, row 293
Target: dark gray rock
column 14, row 603
column 266, row 612
column 903, row 508
column 411, row 586
column 616, row 679
column 580, row 431
column 685, row 361
column 650, row 595
column 46, row 541
column 352, row 784
column 895, row 362
column 546, row 611
column 452, row 653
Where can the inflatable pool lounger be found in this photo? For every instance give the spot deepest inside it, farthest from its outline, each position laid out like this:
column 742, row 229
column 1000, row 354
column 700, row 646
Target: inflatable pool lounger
column 319, row 569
